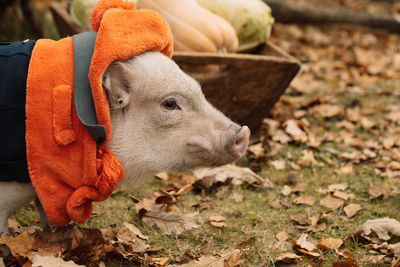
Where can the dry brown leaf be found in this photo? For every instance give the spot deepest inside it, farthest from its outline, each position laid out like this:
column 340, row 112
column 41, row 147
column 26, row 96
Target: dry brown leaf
column 237, row 194
column 205, row 204
column 334, row 187
column 287, row 257
column 343, row 195
column 348, row 169
column 394, row 166
column 292, row 128
column 282, row 236
column 303, row 243
column 217, row 218
column 231, row 174
column 331, row 202
column 314, row 228
column 174, row 222
column 275, row 204
column 307, row 159
column 299, row 218
column 327, row 110
column 300, row 187
column 51, row 261
column 281, row 137
column 14, row 227
column 367, row 123
column 257, row 150
column 381, row 227
column 270, row 126
column 330, row 243
column 227, row 259
column 131, row 239
column 157, row 261
column 278, row 164
column 382, row 190
column 286, row 190
column 352, row 209
column 162, row 176
column 305, row 199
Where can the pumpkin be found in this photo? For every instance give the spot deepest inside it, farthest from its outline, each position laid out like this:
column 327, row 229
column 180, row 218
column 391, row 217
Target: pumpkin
column 194, row 27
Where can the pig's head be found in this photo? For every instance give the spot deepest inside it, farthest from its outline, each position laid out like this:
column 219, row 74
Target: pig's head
column 162, row 121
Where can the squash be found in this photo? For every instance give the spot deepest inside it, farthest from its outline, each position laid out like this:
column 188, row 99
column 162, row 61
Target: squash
column 194, row 27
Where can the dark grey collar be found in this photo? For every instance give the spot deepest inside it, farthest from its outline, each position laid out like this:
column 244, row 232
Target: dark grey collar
column 84, row 44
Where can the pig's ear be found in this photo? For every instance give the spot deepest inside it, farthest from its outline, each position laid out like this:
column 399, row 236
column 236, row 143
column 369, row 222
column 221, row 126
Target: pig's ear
column 117, row 83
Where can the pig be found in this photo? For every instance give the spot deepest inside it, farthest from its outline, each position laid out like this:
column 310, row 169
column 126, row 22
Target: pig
column 161, row 122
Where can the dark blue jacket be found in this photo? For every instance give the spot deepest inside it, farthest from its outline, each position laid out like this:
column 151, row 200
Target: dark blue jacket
column 14, row 63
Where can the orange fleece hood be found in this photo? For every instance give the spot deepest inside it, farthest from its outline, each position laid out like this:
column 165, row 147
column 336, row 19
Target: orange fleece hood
column 68, row 169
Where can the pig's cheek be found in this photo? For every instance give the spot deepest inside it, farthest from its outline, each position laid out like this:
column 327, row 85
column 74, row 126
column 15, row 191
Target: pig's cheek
column 168, row 120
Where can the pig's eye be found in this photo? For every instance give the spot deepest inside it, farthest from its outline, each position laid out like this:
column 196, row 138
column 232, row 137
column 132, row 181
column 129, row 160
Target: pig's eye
column 170, row 104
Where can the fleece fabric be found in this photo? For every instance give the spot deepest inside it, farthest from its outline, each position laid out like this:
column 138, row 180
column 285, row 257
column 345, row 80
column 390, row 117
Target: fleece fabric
column 14, row 62
column 68, row 169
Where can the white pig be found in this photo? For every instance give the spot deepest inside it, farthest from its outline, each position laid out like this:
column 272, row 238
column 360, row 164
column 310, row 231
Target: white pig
column 161, row 122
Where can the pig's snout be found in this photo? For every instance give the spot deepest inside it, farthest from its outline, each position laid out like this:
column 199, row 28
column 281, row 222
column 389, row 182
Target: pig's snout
column 241, row 141
column 219, row 148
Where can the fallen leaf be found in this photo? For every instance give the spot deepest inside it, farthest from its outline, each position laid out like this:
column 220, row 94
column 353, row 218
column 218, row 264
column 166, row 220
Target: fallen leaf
column 303, row 243
column 275, row 204
column 217, row 218
column 343, row 195
column 231, row 174
column 237, row 194
column 299, row 218
column 205, row 204
column 381, row 227
column 174, row 222
column 158, row 261
column 305, row 199
column 14, row 227
column 379, row 190
column 300, row 187
column 281, row 137
column 326, row 110
column 278, row 164
column 162, row 176
column 257, row 150
column 334, row 187
column 330, row 243
column 331, row 202
column 292, row 128
column 227, row 259
column 51, row 261
column 348, row 169
column 286, row 190
column 366, row 123
column 131, row 239
column 287, row 257
column 352, row 209
column 270, row 126
column 307, row 159
column 394, row 166
column 282, row 236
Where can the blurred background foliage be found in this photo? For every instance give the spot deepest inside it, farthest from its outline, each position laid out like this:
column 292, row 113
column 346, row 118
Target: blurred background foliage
column 26, row 19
